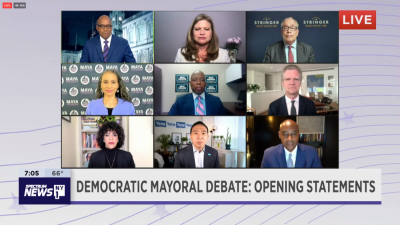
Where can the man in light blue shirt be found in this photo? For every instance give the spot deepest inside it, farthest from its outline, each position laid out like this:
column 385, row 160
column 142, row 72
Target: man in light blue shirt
column 289, row 50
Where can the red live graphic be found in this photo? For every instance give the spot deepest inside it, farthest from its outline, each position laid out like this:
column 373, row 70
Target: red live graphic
column 7, row 5
column 357, row 19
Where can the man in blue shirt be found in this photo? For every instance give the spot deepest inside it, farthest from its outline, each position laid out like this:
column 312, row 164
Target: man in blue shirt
column 198, row 102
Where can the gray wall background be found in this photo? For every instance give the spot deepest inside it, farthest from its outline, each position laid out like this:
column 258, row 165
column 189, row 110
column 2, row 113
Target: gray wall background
column 170, row 30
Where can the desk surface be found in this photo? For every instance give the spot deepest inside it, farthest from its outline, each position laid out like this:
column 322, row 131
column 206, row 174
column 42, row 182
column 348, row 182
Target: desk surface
column 231, row 110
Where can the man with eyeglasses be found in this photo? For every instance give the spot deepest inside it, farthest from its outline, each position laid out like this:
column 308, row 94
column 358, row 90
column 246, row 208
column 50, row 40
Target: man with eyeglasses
column 106, row 48
column 292, row 103
column 290, row 154
column 289, row 50
column 198, row 102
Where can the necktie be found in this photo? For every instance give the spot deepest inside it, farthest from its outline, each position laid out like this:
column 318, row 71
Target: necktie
column 293, row 109
column 200, row 107
column 290, row 161
column 291, row 59
column 105, row 52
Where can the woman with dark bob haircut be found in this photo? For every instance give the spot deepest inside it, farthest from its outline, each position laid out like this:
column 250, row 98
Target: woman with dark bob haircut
column 202, row 44
column 110, row 138
column 111, row 98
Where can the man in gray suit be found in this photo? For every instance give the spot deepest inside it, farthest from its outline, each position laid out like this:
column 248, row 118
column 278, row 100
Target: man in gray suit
column 198, row 155
column 289, row 50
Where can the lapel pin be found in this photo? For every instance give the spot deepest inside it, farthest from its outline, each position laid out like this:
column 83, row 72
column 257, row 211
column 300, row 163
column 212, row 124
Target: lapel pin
column 209, row 153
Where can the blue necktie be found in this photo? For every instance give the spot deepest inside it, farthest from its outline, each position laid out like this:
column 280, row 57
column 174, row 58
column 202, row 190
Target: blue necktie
column 290, row 161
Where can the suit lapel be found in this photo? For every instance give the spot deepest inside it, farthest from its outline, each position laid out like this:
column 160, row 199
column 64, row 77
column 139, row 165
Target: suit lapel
column 98, row 48
column 208, row 104
column 114, row 44
column 190, row 156
column 189, row 104
column 282, row 52
column 280, row 157
column 283, row 107
column 300, row 158
column 300, row 53
column 206, row 163
column 302, row 106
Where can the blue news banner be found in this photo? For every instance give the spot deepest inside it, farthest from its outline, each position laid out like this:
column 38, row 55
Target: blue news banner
column 44, row 186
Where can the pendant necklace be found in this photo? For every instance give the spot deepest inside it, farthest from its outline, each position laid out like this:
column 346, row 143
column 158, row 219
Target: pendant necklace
column 111, row 165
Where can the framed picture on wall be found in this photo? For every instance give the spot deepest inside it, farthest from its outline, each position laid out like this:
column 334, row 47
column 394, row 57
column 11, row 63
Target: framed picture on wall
column 188, row 137
column 176, row 138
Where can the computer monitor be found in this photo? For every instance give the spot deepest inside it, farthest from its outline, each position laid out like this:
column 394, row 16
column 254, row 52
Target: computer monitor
column 242, row 98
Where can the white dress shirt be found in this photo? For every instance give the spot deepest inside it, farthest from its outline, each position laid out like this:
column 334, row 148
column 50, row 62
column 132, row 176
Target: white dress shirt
column 289, row 104
column 102, row 42
column 294, row 154
column 199, row 157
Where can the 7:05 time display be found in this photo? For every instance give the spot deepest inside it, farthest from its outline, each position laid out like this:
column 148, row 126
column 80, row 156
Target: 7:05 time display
column 31, row 173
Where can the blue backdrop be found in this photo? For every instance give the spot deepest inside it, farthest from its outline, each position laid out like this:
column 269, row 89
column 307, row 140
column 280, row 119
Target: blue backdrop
column 323, row 39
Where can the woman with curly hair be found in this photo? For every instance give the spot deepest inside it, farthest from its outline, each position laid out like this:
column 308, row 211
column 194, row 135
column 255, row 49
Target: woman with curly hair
column 110, row 138
column 202, row 44
column 112, row 97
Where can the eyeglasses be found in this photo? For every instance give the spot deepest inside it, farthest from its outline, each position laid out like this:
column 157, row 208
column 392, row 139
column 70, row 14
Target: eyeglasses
column 291, row 28
column 105, row 26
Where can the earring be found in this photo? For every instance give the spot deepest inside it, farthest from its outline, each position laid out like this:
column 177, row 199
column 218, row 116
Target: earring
column 102, row 92
column 117, row 91
column 104, row 141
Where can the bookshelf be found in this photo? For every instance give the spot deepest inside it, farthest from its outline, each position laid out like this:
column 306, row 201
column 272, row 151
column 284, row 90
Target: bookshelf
column 87, row 132
column 312, row 131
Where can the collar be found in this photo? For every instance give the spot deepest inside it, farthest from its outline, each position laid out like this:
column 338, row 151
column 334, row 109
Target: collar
column 294, row 45
column 202, row 151
column 203, row 95
column 102, row 39
column 294, row 152
column 288, row 100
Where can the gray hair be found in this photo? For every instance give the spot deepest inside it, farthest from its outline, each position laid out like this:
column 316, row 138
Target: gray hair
column 289, row 18
column 292, row 67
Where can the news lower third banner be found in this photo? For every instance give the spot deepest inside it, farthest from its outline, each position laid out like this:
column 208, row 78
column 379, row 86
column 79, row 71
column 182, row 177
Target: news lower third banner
column 201, row 186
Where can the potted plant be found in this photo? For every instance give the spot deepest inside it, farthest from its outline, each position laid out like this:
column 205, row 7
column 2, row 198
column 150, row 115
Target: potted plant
column 214, row 136
column 253, row 87
column 228, row 140
column 164, row 140
column 184, row 140
column 222, row 137
column 104, row 119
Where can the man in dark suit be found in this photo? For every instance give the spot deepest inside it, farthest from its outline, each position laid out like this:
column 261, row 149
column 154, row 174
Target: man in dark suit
column 289, row 50
column 198, row 155
column 292, row 103
column 106, row 48
column 290, row 154
column 199, row 102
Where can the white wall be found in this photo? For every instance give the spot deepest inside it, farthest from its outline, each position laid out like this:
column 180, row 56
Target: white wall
column 334, row 72
column 236, row 127
column 226, row 92
column 141, row 140
column 70, row 154
column 169, row 130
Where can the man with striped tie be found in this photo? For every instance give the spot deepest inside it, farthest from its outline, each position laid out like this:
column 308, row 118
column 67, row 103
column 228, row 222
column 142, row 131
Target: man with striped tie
column 290, row 154
column 106, row 48
column 198, row 102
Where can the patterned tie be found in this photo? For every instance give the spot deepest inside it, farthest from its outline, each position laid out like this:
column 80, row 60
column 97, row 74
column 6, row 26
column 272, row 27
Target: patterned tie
column 105, row 52
column 291, row 59
column 200, row 107
column 293, row 109
column 290, row 161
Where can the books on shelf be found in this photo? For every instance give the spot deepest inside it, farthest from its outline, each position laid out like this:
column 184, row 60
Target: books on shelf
column 312, row 137
column 89, row 140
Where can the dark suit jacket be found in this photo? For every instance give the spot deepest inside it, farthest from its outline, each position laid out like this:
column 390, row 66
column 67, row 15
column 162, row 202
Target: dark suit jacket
column 279, row 108
column 307, row 157
column 119, row 51
column 184, row 105
column 275, row 53
column 124, row 160
column 185, row 158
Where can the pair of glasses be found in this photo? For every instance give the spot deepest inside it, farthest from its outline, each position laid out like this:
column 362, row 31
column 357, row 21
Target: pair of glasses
column 105, row 26
column 289, row 28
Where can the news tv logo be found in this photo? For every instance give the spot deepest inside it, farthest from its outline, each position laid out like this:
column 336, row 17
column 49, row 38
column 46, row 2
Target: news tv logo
column 44, row 190
column 37, row 190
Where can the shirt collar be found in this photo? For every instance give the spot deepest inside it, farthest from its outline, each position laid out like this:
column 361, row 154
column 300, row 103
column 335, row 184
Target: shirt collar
column 294, row 45
column 102, row 39
column 194, row 150
column 288, row 100
column 203, row 95
column 294, row 152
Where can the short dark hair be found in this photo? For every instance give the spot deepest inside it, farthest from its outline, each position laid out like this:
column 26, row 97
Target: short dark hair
column 110, row 126
column 197, row 123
